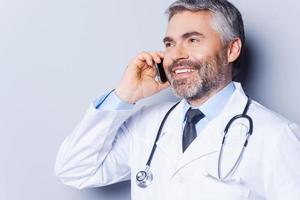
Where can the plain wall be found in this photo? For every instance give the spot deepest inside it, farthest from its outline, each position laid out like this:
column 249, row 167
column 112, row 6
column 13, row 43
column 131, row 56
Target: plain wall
column 57, row 56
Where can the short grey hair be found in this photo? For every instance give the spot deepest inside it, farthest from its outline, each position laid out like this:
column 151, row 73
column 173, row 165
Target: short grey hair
column 227, row 21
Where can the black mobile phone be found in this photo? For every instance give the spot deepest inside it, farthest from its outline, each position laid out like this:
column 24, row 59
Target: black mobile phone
column 161, row 75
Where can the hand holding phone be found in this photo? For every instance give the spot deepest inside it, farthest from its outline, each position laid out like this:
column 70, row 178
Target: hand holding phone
column 142, row 77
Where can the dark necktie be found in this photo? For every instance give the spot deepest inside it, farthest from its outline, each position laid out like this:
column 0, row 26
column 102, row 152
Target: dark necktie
column 193, row 116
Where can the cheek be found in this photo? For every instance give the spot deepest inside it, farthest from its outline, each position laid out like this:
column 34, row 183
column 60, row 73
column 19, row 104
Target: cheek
column 167, row 62
column 199, row 53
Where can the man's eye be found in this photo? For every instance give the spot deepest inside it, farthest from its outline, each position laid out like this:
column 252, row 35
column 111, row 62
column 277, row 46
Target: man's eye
column 193, row 40
column 168, row 44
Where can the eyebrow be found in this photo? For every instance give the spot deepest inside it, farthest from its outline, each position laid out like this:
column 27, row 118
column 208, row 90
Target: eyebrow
column 184, row 36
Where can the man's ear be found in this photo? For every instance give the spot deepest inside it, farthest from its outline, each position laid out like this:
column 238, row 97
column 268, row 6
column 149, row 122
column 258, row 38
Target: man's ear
column 234, row 50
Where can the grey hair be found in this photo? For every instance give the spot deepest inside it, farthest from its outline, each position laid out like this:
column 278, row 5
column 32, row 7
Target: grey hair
column 227, row 21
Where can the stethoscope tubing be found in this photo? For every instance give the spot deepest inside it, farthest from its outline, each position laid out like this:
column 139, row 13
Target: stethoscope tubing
column 248, row 134
column 148, row 174
column 159, row 133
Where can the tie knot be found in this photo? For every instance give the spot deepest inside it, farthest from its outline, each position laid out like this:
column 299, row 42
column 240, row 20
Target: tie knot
column 194, row 116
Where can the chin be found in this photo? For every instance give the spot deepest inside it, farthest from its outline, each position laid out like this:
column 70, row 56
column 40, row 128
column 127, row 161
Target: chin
column 188, row 92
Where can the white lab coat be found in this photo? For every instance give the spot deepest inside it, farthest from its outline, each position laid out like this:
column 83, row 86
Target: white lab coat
column 111, row 146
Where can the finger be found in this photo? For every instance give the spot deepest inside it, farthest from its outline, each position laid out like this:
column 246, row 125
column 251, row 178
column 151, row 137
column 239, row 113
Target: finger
column 148, row 58
column 161, row 54
column 156, row 57
column 145, row 58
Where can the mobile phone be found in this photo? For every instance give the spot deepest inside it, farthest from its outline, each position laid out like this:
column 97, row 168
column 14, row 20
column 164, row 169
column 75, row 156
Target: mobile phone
column 161, row 75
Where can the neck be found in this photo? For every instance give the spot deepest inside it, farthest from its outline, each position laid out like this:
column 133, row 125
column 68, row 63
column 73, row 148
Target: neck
column 199, row 101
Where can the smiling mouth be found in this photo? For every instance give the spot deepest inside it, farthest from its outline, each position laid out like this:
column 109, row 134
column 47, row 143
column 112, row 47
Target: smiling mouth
column 182, row 71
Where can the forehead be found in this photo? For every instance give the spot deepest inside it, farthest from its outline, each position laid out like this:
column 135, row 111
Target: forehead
column 187, row 21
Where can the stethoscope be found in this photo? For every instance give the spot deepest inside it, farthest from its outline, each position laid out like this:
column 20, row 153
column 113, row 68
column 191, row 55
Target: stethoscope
column 145, row 177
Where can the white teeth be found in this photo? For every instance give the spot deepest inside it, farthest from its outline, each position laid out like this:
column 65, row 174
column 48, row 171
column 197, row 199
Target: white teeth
column 178, row 71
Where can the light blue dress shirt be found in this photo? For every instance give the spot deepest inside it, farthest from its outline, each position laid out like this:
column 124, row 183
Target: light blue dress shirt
column 211, row 108
column 111, row 101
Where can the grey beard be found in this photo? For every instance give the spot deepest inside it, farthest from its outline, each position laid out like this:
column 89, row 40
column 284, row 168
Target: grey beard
column 211, row 75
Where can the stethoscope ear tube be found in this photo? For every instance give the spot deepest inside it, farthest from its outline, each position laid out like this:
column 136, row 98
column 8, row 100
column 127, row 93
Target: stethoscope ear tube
column 249, row 132
column 243, row 115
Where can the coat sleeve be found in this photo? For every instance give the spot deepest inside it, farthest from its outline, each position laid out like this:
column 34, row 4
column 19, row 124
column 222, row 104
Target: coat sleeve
column 282, row 165
column 97, row 153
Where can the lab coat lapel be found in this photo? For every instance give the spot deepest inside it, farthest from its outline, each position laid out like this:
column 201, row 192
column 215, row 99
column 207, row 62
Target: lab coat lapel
column 170, row 141
column 209, row 140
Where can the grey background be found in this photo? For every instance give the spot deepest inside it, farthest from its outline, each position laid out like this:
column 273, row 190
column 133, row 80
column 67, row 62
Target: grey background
column 56, row 56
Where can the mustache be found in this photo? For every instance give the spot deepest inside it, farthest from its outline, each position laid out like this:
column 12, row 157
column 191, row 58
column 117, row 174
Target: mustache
column 176, row 63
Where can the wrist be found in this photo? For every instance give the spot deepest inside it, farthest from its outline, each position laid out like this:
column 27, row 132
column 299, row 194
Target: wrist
column 125, row 96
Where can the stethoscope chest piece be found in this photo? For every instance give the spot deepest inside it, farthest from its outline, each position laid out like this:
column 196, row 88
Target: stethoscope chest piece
column 144, row 178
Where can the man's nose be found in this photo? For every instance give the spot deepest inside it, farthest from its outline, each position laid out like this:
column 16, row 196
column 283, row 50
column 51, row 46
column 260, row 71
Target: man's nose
column 180, row 52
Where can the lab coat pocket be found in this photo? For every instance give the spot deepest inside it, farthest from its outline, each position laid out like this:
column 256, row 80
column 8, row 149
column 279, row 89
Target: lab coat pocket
column 216, row 190
column 197, row 185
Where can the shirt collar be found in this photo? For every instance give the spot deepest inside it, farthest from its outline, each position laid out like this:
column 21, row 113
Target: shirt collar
column 215, row 104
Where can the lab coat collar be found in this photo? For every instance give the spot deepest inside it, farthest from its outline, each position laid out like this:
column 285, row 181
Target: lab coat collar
column 215, row 104
column 209, row 141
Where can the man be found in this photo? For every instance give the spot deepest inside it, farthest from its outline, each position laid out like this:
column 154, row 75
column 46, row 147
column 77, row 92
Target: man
column 203, row 41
